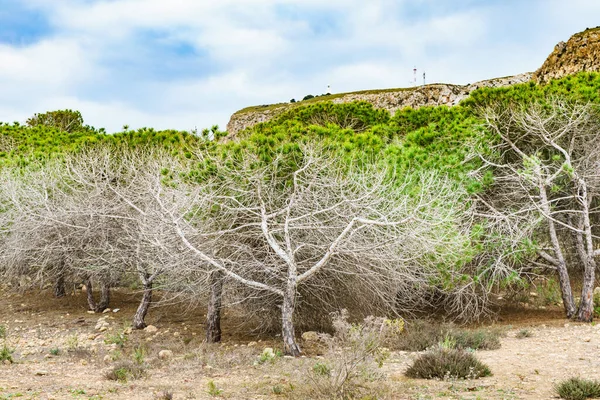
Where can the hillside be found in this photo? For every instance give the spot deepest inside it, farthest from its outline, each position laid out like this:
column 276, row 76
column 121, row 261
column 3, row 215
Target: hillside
column 581, row 53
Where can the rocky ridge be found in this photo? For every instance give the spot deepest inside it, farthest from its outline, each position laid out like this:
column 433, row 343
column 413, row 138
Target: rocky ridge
column 580, row 53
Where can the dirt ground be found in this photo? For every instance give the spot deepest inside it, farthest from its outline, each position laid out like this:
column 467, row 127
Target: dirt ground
column 61, row 351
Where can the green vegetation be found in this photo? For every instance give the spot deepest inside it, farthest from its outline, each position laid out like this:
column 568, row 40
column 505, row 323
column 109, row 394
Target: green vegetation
column 422, row 335
column 447, row 363
column 578, row 389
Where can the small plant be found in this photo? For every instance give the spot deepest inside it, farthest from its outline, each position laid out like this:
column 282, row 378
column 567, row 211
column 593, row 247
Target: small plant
column 2, row 332
column 118, row 338
column 55, row 351
column 444, row 363
column 578, row 389
column 548, row 292
column 277, row 390
column 6, row 353
column 321, row 369
column 72, row 342
column 139, row 355
column 124, row 371
column 523, row 333
column 213, row 390
column 269, row 355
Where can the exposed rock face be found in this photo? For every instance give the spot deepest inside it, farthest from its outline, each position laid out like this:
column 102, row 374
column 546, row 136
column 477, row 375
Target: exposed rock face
column 580, row 53
column 391, row 100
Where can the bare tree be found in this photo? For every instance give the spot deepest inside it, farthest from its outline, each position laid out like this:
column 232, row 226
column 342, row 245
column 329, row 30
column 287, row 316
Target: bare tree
column 549, row 162
column 275, row 228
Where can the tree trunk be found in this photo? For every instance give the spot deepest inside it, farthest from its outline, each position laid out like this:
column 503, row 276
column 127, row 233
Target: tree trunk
column 90, row 295
column 586, row 306
column 104, row 298
column 561, row 267
column 213, row 316
column 290, row 347
column 59, row 286
column 140, row 314
column 586, row 254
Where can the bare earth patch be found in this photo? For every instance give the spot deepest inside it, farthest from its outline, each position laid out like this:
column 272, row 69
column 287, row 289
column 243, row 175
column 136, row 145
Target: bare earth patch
column 62, row 352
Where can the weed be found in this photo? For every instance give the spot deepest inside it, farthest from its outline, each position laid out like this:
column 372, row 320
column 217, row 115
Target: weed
column 444, row 363
column 548, row 292
column 2, row 332
column 523, row 333
column 269, row 355
column 118, row 338
column 139, row 355
column 124, row 371
column 6, row 353
column 213, row 390
column 277, row 390
column 321, row 369
column 422, row 335
column 72, row 342
column 578, row 389
column 55, row 351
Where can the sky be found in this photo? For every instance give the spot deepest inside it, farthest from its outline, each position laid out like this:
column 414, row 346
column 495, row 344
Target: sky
column 187, row 64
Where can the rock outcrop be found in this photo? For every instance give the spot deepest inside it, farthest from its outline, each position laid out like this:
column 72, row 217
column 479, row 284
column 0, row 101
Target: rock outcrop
column 580, row 53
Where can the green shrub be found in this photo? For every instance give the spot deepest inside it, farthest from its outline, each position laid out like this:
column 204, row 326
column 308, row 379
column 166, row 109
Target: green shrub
column 55, row 351
column 124, row 371
column 445, row 363
column 578, row 389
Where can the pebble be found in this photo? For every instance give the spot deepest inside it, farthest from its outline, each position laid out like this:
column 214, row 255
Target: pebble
column 151, row 329
column 165, row 354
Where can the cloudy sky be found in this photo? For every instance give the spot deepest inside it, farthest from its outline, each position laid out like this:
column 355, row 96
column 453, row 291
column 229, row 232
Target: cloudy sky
column 191, row 63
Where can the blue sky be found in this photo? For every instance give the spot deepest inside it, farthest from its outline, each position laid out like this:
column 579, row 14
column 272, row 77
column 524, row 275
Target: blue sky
column 183, row 64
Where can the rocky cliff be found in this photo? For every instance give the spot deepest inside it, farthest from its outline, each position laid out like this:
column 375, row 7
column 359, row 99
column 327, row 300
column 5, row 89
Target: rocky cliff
column 580, row 53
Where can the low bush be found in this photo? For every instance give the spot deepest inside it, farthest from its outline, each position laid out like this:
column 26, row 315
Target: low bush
column 125, row 371
column 422, row 335
column 480, row 339
column 447, row 363
column 419, row 336
column 578, row 389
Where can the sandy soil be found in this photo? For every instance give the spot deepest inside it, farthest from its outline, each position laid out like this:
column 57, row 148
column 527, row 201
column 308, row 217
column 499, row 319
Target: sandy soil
column 39, row 325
